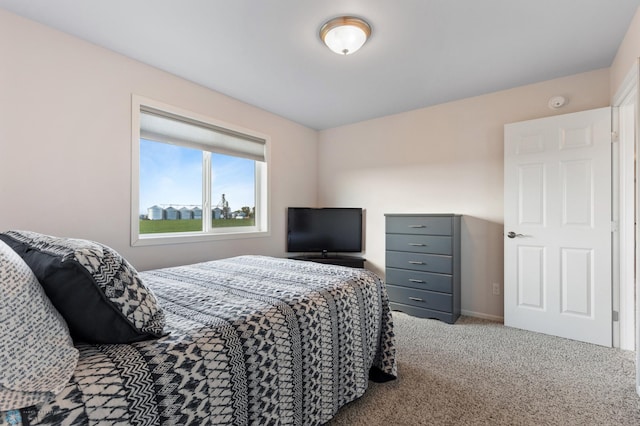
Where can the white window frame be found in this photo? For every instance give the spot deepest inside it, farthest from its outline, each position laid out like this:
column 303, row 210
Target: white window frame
column 262, row 216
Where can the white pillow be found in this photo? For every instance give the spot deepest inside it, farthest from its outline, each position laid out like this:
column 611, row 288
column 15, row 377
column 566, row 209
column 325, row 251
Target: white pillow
column 37, row 356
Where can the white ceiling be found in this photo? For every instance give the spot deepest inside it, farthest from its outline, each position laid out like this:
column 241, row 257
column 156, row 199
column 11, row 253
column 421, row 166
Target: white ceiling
column 421, row 52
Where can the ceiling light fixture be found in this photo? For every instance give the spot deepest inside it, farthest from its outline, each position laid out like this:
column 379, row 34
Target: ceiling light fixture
column 345, row 35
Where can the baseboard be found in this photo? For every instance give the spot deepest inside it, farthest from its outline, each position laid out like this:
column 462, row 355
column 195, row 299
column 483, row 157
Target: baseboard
column 482, row 315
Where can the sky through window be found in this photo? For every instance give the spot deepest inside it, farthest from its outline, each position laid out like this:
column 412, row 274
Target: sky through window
column 172, row 175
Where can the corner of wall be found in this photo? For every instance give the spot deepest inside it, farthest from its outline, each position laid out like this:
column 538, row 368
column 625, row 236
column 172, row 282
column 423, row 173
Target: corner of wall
column 627, row 55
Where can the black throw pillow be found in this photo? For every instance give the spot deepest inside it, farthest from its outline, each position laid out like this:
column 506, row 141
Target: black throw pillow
column 98, row 293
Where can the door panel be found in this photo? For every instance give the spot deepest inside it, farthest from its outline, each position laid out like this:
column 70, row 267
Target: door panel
column 531, row 200
column 576, row 180
column 577, row 281
column 558, row 211
column 531, row 285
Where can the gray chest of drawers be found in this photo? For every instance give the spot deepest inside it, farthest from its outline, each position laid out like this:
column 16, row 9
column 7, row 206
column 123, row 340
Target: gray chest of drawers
column 423, row 264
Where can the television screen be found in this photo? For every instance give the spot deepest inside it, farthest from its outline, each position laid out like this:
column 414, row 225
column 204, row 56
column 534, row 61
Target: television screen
column 324, row 230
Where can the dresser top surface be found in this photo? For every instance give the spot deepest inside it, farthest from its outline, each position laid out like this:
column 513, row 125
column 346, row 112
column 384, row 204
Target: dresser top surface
column 421, row 214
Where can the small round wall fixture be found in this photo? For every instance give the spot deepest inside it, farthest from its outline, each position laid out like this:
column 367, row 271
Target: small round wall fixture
column 345, row 34
column 557, row 102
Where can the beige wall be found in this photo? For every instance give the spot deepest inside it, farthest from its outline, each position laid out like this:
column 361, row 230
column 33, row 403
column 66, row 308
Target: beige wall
column 444, row 159
column 627, row 55
column 65, row 144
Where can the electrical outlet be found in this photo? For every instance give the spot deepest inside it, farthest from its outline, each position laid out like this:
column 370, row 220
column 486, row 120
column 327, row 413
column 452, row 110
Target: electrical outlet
column 496, row 289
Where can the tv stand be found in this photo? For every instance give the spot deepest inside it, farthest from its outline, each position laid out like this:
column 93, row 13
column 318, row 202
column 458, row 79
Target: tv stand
column 350, row 261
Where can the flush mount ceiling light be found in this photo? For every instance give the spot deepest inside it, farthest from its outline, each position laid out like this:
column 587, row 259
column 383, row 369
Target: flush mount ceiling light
column 345, row 35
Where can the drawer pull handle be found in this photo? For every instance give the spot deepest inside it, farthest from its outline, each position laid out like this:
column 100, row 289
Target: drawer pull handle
column 415, row 262
column 413, row 280
column 417, row 245
column 417, row 226
column 416, row 299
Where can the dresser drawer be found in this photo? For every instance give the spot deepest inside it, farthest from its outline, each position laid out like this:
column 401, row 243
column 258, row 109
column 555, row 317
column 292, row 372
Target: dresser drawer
column 419, row 262
column 435, row 244
column 419, row 225
column 420, row 280
column 415, row 311
column 420, row 298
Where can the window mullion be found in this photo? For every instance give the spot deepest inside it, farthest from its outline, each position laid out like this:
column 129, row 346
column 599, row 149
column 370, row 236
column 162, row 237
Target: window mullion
column 206, row 192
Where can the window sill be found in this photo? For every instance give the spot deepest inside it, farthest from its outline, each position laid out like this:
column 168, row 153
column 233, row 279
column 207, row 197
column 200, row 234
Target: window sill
column 183, row 238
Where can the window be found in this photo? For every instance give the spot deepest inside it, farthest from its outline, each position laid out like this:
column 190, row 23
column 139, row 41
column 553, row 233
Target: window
column 194, row 178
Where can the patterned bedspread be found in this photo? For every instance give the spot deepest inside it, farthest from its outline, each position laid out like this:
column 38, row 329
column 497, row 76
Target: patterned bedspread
column 252, row 340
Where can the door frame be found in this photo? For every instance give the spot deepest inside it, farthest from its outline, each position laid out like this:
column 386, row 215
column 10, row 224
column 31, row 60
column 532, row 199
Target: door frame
column 626, row 259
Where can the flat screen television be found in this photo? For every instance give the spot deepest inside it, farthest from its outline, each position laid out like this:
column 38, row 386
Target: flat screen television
column 324, row 230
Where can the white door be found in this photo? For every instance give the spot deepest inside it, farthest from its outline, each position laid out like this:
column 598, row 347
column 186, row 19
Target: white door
column 557, row 218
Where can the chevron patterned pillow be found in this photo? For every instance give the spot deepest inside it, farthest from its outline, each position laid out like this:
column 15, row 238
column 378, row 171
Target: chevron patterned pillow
column 99, row 294
column 37, row 356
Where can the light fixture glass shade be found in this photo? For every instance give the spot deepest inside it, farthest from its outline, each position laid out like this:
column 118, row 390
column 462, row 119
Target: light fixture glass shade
column 345, row 35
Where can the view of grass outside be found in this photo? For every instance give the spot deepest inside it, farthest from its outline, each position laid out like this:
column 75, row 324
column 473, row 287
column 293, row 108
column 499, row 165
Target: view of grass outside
column 190, row 225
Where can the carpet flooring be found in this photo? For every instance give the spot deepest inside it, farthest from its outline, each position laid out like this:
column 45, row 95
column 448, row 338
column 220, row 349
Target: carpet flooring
column 478, row 372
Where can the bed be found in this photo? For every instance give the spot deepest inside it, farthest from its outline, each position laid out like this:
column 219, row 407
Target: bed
column 244, row 340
